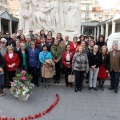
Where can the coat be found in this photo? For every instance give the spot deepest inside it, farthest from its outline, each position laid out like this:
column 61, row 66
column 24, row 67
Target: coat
column 80, row 62
column 48, row 69
column 95, row 59
column 114, row 61
column 33, row 57
column 64, row 59
column 8, row 61
column 72, row 48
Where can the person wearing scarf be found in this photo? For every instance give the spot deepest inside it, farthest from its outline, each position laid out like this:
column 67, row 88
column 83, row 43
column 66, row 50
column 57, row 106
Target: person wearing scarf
column 56, row 52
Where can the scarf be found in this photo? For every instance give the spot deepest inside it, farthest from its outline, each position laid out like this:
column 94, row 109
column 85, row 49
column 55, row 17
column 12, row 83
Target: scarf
column 56, row 49
column 44, row 54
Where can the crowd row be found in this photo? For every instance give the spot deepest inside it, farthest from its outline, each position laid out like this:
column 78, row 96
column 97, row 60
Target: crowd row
column 49, row 54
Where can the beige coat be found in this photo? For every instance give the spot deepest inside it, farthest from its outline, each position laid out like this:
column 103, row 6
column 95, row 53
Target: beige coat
column 48, row 69
column 115, row 61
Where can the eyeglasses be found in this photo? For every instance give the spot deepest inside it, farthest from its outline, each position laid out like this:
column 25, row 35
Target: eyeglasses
column 32, row 44
column 2, row 42
column 49, row 39
column 30, row 31
column 7, row 34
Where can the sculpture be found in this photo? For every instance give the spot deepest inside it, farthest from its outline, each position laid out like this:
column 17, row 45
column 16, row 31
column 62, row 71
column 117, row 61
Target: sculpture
column 56, row 15
column 25, row 15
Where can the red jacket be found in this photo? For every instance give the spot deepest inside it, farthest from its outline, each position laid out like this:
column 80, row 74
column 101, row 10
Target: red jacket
column 72, row 48
column 8, row 61
column 64, row 59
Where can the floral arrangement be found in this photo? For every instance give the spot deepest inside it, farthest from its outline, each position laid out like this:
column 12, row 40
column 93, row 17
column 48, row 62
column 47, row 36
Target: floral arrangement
column 21, row 84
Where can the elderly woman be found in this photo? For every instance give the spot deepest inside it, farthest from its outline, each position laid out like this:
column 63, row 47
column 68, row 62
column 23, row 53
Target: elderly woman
column 44, row 55
column 3, row 47
column 56, row 52
column 33, row 62
column 95, row 60
column 2, row 64
column 80, row 65
column 12, row 62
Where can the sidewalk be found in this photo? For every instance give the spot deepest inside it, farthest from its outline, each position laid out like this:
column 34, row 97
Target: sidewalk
column 85, row 105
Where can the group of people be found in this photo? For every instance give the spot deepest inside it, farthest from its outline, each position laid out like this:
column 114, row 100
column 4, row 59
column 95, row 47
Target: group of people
column 49, row 56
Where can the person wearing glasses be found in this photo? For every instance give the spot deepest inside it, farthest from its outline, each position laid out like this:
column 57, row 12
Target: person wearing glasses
column 11, row 62
column 33, row 62
column 49, row 42
column 2, row 81
column 27, row 43
column 3, row 51
column 3, row 47
column 95, row 60
column 31, row 34
column 8, row 38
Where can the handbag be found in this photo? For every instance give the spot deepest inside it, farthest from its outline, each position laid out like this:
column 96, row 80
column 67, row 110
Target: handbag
column 71, row 78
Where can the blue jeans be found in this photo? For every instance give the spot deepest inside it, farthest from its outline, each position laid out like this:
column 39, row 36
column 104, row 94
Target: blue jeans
column 114, row 79
column 1, row 81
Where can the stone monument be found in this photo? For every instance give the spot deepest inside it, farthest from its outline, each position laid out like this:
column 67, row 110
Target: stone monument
column 50, row 15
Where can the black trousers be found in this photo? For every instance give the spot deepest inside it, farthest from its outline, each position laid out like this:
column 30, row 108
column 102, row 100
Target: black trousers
column 79, row 76
column 57, row 69
column 11, row 75
column 114, row 79
column 33, row 72
column 67, row 72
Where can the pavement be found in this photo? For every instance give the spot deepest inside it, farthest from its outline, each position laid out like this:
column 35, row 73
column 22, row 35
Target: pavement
column 85, row 105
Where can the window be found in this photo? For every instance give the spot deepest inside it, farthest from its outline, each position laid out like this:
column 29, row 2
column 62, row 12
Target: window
column 87, row 6
column 87, row 14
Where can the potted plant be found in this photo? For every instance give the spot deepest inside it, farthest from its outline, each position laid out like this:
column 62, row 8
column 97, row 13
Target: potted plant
column 21, row 87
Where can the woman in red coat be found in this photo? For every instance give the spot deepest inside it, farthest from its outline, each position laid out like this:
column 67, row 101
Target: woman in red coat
column 11, row 62
column 67, row 62
column 74, row 45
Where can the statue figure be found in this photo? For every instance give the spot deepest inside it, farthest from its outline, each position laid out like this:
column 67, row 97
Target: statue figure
column 25, row 15
column 65, row 12
column 54, row 14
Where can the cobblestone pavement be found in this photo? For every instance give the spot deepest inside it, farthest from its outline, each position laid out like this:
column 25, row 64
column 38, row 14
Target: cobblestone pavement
column 85, row 105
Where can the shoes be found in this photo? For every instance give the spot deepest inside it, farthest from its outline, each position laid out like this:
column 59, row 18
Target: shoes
column 47, row 86
column 58, row 82
column 90, row 88
column 95, row 88
column 80, row 89
column 87, row 82
column 2, row 94
column 55, row 82
column 116, row 91
column 76, row 89
column 44, row 86
column 102, row 88
column 37, row 85
column 66, row 85
column 111, row 88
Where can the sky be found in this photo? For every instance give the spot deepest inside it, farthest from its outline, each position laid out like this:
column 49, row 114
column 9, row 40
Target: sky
column 107, row 4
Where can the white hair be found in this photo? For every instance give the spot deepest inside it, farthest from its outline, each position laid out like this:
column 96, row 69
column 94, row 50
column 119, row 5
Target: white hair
column 95, row 46
column 3, row 40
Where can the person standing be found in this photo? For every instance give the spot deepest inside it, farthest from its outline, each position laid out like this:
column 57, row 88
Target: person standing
column 56, row 52
column 114, row 67
column 45, row 55
column 95, row 60
column 74, row 45
column 27, row 43
column 104, row 68
column 33, row 62
column 24, row 57
column 11, row 62
column 80, row 65
column 67, row 63
column 2, row 65
column 31, row 34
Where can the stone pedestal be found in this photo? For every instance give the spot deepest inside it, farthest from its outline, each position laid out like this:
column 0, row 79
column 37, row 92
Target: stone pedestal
column 50, row 15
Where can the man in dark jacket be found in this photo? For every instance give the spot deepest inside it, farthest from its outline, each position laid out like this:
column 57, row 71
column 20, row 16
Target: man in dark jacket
column 9, row 39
